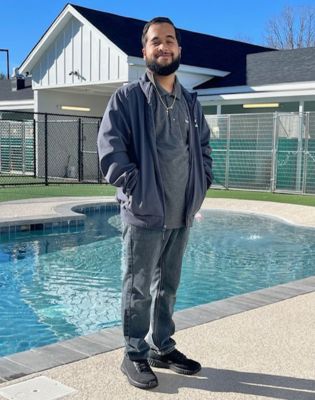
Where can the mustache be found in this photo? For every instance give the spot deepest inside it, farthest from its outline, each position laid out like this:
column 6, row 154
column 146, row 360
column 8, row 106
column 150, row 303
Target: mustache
column 165, row 53
column 163, row 70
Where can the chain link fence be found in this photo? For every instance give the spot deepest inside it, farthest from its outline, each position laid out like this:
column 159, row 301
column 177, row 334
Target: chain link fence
column 266, row 151
column 37, row 148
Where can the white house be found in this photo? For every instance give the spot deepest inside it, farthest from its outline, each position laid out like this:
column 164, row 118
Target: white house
column 86, row 54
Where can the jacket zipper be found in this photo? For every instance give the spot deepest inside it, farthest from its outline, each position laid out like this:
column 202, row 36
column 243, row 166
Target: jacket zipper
column 194, row 125
column 158, row 172
column 191, row 106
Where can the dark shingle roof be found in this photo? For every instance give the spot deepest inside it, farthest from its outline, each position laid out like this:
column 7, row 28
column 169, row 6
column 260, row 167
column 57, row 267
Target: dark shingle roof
column 6, row 93
column 271, row 67
column 198, row 49
column 297, row 65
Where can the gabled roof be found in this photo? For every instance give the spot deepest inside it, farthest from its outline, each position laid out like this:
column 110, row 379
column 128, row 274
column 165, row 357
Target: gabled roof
column 199, row 50
column 6, row 93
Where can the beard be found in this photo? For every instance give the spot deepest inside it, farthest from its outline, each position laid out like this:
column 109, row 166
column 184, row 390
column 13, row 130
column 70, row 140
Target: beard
column 163, row 70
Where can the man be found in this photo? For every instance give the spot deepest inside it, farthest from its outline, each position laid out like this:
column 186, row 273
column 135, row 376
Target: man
column 154, row 146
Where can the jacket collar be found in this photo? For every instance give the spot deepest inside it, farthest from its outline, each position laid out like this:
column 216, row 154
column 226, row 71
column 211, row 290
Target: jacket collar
column 177, row 87
column 147, row 89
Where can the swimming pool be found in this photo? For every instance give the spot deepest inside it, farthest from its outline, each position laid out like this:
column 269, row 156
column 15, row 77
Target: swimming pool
column 66, row 283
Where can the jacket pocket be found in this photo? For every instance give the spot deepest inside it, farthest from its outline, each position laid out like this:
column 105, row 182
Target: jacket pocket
column 144, row 199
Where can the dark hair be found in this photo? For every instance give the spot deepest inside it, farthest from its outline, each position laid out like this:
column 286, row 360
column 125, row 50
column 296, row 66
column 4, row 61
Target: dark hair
column 158, row 20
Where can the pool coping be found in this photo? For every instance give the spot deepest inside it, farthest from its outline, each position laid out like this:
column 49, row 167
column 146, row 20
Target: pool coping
column 61, row 212
column 67, row 216
column 39, row 359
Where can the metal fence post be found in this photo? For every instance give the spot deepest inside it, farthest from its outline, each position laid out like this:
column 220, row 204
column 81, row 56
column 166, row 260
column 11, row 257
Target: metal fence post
column 23, row 149
column 227, row 154
column 99, row 175
column 34, row 147
column 0, row 147
column 306, row 154
column 299, row 157
column 273, row 178
column 10, row 152
column 79, row 150
column 46, row 149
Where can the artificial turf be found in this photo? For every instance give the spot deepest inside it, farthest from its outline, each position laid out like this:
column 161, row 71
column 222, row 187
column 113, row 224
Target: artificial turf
column 35, row 191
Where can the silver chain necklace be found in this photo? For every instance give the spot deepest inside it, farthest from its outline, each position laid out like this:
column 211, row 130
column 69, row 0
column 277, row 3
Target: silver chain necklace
column 160, row 97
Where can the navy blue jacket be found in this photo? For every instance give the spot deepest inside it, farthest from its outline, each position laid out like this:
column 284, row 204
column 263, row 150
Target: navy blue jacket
column 129, row 160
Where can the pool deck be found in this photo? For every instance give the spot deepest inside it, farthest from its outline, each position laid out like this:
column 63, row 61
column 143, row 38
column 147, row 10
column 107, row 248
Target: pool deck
column 260, row 345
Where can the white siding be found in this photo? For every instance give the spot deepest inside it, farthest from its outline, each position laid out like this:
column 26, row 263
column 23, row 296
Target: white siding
column 113, row 65
column 82, row 49
column 52, row 66
column 68, row 53
column 86, row 53
column 60, row 59
column 95, row 58
column 76, row 45
column 44, row 70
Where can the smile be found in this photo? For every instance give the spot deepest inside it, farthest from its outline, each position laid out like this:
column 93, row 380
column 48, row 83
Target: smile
column 164, row 55
column 164, row 58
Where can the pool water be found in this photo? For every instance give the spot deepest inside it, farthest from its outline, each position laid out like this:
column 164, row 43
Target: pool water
column 60, row 285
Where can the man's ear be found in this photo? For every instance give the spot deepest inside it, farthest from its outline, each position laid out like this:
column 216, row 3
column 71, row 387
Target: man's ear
column 144, row 53
column 180, row 50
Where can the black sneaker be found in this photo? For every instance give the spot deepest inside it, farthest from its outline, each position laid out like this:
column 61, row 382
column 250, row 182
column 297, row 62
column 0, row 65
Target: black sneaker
column 139, row 373
column 176, row 361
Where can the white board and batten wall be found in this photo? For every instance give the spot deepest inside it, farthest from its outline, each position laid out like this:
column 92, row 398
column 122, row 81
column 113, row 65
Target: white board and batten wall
column 80, row 48
column 78, row 65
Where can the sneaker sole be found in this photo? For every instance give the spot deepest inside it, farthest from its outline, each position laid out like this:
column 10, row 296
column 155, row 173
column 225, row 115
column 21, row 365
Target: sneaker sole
column 160, row 364
column 149, row 385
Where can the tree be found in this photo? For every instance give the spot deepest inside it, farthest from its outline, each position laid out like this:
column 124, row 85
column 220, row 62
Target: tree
column 294, row 28
column 2, row 76
column 241, row 37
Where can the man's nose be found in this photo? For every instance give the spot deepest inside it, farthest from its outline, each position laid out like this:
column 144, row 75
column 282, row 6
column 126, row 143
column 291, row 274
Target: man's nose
column 163, row 46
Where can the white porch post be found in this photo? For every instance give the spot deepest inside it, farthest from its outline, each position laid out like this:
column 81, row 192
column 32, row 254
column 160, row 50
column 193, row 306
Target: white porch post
column 299, row 159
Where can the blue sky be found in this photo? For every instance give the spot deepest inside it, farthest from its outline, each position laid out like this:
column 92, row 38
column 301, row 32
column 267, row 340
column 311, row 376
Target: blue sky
column 22, row 23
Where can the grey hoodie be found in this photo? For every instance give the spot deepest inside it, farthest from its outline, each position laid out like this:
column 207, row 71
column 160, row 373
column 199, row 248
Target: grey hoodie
column 129, row 160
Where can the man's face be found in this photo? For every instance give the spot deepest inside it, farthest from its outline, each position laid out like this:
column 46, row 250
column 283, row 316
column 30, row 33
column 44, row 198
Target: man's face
column 161, row 51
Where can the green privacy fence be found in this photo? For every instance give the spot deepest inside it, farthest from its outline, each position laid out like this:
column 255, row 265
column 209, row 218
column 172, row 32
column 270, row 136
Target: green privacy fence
column 296, row 166
column 17, row 147
column 17, row 155
column 272, row 151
